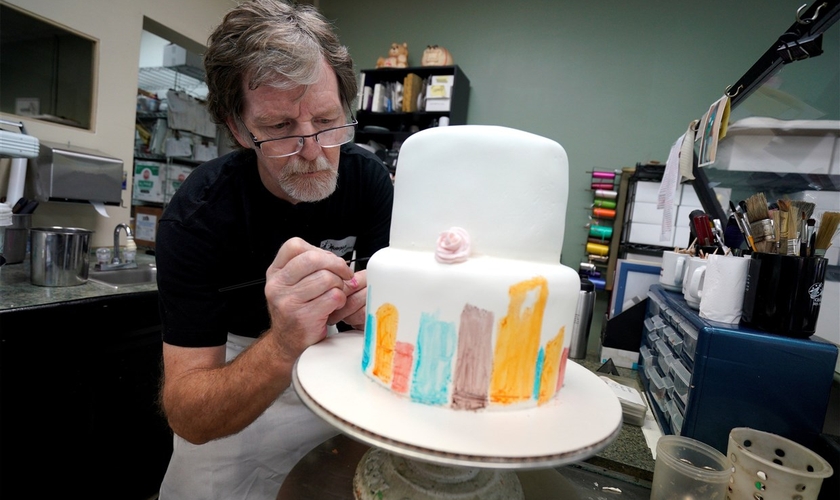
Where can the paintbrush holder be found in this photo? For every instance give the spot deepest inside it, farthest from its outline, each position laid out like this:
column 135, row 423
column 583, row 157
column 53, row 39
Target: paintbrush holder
column 783, row 294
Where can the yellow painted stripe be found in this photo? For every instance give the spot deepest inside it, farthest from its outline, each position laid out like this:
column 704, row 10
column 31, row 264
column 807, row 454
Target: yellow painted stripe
column 518, row 343
column 551, row 367
column 387, row 317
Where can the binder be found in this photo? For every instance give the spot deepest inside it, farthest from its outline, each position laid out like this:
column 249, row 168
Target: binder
column 412, row 84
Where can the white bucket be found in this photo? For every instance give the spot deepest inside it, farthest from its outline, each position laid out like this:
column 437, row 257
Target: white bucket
column 770, row 467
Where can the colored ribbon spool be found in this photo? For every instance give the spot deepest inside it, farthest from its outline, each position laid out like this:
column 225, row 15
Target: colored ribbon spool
column 601, row 203
column 603, row 175
column 602, row 185
column 602, row 232
column 597, row 249
column 599, row 283
column 603, row 213
column 608, row 193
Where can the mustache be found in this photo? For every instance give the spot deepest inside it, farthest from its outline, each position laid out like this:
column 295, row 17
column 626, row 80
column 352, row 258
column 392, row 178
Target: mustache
column 300, row 166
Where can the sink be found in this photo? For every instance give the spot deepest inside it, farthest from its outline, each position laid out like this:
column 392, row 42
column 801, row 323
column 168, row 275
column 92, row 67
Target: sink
column 119, row 278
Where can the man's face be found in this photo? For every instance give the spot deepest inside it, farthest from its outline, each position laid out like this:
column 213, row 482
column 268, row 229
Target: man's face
column 269, row 113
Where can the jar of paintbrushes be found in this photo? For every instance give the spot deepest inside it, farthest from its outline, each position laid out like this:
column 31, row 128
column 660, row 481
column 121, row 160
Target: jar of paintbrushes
column 786, row 275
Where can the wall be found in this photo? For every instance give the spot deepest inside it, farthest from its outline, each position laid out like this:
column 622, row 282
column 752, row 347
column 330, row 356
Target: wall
column 614, row 82
column 118, row 26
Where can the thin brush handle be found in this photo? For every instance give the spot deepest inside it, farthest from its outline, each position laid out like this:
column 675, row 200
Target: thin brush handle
column 803, row 237
column 262, row 280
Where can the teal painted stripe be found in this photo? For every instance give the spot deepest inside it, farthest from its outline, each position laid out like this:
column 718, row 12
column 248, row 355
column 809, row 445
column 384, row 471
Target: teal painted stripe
column 540, row 362
column 370, row 335
column 436, row 341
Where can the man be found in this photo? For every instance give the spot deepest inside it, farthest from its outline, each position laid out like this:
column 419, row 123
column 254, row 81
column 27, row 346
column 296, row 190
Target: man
column 291, row 206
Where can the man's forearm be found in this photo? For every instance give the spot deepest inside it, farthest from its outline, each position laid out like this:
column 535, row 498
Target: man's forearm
column 203, row 403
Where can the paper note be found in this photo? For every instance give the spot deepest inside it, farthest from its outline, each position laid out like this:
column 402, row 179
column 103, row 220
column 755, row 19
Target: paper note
column 624, row 392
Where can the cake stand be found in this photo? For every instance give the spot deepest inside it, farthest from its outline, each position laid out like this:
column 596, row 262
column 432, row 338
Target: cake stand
column 450, row 446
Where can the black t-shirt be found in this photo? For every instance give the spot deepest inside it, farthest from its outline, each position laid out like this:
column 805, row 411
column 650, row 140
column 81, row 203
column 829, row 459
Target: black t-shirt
column 224, row 228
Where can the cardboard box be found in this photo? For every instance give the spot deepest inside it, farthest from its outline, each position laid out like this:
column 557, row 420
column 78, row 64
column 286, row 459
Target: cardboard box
column 438, row 104
column 146, row 220
column 447, row 80
column 648, row 234
column 148, row 181
column 646, row 213
column 173, row 55
column 648, row 192
column 175, row 176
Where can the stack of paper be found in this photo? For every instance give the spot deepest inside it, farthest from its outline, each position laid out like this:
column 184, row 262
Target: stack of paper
column 633, row 406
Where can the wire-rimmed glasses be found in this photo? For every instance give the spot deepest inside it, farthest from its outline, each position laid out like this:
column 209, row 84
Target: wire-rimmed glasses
column 293, row 144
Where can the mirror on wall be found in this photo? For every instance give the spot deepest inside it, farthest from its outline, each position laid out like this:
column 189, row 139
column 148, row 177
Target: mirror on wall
column 48, row 70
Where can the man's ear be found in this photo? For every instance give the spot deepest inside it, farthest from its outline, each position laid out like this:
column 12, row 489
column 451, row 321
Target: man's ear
column 243, row 141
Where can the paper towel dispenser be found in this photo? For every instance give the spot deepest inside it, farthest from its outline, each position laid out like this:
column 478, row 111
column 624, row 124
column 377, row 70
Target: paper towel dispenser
column 74, row 174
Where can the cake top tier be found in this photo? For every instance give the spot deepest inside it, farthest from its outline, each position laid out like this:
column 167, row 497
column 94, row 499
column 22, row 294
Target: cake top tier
column 508, row 189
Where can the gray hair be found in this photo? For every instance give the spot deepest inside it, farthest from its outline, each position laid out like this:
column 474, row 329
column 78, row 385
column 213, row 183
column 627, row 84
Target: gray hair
column 271, row 42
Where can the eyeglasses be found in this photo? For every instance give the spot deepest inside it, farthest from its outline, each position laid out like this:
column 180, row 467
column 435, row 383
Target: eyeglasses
column 293, row 144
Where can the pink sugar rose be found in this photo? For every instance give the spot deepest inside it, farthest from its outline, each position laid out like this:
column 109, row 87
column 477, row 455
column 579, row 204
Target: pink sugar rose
column 453, row 246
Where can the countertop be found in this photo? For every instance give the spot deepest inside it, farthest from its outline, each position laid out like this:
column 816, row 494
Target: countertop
column 628, row 456
column 17, row 291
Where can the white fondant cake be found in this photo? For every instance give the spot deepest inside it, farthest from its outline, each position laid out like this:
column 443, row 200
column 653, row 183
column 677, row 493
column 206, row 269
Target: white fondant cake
column 469, row 307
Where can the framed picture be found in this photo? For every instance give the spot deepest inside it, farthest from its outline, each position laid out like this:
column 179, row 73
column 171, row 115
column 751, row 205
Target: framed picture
column 713, row 129
column 632, row 282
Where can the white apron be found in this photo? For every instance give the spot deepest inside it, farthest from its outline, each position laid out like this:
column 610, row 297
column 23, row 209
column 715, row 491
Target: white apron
column 251, row 464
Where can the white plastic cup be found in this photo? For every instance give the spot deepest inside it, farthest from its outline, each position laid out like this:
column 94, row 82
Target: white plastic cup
column 687, row 468
column 773, row 467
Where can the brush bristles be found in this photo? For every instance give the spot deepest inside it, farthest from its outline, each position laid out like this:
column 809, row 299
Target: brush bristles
column 757, row 207
column 825, row 232
column 805, row 207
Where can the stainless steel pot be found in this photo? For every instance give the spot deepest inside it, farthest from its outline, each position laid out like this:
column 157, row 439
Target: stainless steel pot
column 60, row 256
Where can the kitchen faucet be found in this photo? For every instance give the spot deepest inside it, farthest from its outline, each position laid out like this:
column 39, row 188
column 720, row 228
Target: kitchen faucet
column 116, row 262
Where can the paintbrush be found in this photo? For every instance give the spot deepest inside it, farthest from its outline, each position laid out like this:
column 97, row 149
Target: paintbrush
column 828, row 226
column 262, row 280
column 784, row 221
column 743, row 224
column 812, row 234
column 803, row 236
column 761, row 225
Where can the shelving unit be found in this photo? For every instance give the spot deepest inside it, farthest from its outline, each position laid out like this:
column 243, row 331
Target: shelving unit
column 389, row 129
column 601, row 229
column 186, row 78
column 157, row 174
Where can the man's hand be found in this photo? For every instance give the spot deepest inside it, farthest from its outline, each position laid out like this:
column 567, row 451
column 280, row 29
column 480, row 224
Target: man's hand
column 353, row 312
column 305, row 286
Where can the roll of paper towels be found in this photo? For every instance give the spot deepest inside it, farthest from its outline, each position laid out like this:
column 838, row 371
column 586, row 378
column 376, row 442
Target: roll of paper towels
column 17, row 178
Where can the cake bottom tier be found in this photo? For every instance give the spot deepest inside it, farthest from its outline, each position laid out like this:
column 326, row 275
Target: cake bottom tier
column 487, row 333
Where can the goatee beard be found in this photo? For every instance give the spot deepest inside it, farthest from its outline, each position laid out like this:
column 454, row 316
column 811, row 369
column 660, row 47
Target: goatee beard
column 308, row 188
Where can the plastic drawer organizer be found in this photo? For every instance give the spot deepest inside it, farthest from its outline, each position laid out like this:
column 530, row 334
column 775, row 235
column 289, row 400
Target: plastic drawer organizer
column 705, row 378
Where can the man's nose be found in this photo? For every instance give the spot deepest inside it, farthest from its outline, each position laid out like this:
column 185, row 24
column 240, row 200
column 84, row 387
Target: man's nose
column 311, row 149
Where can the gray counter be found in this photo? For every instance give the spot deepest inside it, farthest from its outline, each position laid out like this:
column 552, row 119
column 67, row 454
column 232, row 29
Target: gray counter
column 17, row 291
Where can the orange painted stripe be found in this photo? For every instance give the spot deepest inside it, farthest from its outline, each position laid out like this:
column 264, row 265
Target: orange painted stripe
column 518, row 343
column 551, row 367
column 386, row 339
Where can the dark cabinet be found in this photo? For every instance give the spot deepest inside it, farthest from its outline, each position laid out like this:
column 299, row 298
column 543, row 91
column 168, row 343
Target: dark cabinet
column 78, row 399
column 387, row 128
